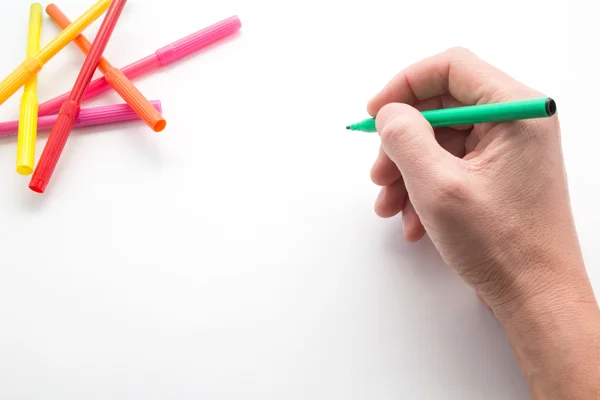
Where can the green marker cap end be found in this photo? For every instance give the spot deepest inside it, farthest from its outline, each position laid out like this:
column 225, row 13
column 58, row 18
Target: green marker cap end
column 550, row 106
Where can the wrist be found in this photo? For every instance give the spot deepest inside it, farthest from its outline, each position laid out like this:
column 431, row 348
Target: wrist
column 555, row 334
column 558, row 350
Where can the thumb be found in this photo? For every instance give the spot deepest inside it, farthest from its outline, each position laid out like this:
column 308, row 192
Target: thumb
column 409, row 141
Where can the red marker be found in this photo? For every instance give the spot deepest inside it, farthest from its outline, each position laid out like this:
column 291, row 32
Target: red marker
column 70, row 108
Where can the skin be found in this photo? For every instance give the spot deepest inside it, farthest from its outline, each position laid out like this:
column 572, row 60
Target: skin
column 494, row 200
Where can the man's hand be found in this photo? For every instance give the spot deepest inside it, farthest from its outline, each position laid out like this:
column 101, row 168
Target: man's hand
column 494, row 200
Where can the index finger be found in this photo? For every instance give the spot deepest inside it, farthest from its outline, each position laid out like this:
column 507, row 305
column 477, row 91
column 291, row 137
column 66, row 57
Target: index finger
column 458, row 72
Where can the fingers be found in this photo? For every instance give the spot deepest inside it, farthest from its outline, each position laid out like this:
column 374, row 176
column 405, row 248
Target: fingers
column 471, row 142
column 440, row 102
column 437, row 102
column 394, row 199
column 391, row 199
column 452, row 140
column 458, row 72
column 384, row 172
column 409, row 141
column 412, row 228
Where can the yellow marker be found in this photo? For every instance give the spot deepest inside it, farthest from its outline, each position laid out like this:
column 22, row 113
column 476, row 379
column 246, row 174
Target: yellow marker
column 32, row 65
column 29, row 101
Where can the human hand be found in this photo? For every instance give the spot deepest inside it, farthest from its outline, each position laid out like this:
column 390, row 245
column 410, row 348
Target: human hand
column 493, row 197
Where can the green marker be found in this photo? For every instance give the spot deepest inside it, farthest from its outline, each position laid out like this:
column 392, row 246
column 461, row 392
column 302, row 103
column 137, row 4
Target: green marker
column 467, row 115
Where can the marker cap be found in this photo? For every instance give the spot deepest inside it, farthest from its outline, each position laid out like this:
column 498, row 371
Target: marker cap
column 198, row 40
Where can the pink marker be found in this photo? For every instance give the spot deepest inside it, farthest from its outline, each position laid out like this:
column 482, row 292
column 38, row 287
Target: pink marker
column 162, row 57
column 87, row 117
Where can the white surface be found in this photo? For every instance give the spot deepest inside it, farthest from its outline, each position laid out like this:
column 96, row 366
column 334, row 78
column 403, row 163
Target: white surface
column 236, row 255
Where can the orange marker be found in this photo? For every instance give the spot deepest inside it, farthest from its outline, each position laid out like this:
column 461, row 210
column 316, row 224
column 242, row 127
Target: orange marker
column 115, row 77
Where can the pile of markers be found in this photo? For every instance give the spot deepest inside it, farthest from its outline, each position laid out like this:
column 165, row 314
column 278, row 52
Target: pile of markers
column 34, row 117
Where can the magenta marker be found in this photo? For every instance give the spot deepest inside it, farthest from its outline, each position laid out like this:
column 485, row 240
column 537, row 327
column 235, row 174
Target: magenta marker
column 87, row 117
column 162, row 57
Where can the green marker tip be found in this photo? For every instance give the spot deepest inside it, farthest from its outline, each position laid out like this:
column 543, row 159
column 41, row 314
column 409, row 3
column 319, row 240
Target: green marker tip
column 348, row 127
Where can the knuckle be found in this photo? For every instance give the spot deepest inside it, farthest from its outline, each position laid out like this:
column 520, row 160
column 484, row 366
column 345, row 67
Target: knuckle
column 453, row 189
column 393, row 110
column 452, row 194
column 395, row 129
column 460, row 52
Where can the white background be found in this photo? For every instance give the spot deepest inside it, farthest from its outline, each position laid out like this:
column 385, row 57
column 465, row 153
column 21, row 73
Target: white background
column 236, row 255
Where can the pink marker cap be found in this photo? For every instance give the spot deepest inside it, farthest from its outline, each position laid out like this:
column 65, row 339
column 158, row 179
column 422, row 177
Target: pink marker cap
column 198, row 40
column 87, row 117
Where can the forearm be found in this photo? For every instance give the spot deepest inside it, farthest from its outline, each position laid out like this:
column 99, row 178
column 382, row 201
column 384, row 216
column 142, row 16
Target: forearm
column 556, row 339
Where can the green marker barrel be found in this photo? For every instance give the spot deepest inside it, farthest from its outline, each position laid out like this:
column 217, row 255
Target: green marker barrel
column 497, row 112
